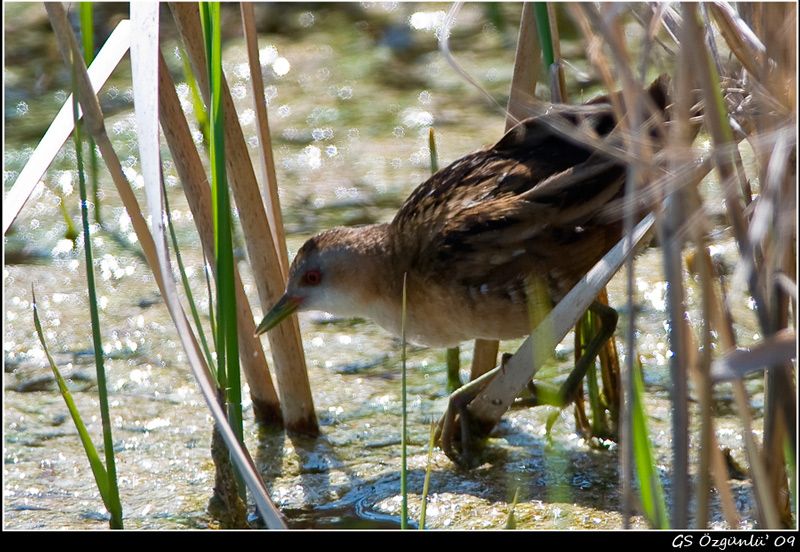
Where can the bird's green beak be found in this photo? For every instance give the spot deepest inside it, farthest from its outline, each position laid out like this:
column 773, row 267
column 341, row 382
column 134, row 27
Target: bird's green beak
column 282, row 309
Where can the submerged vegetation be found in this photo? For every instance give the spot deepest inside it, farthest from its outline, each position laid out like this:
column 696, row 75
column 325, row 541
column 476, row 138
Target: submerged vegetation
column 710, row 310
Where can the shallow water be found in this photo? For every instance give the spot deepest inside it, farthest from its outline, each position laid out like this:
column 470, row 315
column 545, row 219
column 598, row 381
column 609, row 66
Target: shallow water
column 352, row 95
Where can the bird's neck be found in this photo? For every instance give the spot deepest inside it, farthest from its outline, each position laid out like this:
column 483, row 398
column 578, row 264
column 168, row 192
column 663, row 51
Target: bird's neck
column 375, row 274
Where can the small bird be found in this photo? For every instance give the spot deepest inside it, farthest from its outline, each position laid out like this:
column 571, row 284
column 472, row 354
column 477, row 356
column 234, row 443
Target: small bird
column 472, row 239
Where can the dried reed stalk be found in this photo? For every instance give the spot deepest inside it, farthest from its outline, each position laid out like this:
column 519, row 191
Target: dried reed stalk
column 288, row 356
column 93, row 118
column 776, row 240
column 717, row 123
column 523, row 84
column 190, row 169
column 59, row 130
column 594, row 26
column 711, row 460
column 273, row 204
column 681, row 137
column 506, row 383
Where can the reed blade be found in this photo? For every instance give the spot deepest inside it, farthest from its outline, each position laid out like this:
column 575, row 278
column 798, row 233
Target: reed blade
column 650, row 489
column 228, row 347
column 426, row 484
column 114, row 506
column 96, row 464
column 511, row 521
column 404, row 428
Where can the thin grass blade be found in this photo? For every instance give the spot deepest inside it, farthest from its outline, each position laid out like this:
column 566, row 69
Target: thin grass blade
column 511, row 522
column 650, row 489
column 98, row 469
column 115, row 508
column 426, row 484
column 404, row 427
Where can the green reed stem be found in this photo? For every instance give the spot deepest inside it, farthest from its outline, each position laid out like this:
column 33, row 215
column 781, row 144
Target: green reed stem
column 543, row 28
column 650, row 490
column 595, row 403
column 102, row 389
column 404, row 428
column 588, row 331
column 98, row 469
column 453, row 355
column 453, row 368
column 87, row 36
column 511, row 521
column 427, row 482
column 228, row 373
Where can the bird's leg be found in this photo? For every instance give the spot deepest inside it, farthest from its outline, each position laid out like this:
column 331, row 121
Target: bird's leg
column 453, row 366
column 460, row 400
column 608, row 323
column 561, row 397
column 457, row 411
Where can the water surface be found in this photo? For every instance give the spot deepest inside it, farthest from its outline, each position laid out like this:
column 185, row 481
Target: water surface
column 352, row 91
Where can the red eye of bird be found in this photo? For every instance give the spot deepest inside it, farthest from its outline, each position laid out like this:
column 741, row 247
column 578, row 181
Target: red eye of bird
column 312, row 278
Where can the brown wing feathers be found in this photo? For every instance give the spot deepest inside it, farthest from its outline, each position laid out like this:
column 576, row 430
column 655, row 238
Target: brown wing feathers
column 523, row 206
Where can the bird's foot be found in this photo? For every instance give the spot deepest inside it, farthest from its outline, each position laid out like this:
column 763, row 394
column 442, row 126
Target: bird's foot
column 463, row 446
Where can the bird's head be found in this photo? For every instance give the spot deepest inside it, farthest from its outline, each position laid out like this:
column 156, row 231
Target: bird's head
column 331, row 273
